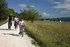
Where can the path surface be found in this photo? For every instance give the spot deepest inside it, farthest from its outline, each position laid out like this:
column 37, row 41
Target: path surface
column 10, row 38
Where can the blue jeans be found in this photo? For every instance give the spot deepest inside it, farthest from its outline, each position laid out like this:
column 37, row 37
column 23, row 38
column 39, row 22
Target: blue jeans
column 21, row 28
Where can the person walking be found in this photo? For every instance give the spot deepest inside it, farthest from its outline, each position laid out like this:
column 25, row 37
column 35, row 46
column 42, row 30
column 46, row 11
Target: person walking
column 16, row 22
column 10, row 19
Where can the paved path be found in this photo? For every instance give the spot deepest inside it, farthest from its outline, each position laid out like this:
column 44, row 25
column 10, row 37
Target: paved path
column 10, row 38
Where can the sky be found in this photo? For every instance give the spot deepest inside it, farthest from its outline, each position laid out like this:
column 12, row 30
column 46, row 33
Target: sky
column 47, row 8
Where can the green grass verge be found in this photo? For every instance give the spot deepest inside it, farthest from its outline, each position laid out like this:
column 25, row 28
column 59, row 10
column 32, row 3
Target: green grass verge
column 2, row 22
column 49, row 34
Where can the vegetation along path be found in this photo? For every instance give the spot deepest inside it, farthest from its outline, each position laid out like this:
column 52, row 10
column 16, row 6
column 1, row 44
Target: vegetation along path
column 10, row 38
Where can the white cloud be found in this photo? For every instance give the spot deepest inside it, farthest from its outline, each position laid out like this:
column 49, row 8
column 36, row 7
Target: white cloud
column 64, row 12
column 67, row 0
column 32, row 6
column 65, row 5
column 24, row 5
column 57, row 2
column 45, row 14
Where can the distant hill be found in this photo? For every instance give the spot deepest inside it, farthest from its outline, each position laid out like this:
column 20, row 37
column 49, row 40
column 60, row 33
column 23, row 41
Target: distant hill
column 60, row 18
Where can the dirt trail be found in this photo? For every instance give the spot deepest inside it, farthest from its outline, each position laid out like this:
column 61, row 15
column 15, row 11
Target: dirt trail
column 10, row 38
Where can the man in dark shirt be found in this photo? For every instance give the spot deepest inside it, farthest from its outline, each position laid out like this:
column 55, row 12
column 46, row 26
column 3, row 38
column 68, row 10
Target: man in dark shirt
column 10, row 19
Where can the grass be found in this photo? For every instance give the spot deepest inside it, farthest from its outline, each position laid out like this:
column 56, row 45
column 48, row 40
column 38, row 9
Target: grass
column 34, row 43
column 2, row 22
column 49, row 34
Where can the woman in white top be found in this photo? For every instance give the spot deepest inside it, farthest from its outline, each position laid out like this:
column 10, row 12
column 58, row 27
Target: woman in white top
column 21, row 25
column 15, row 22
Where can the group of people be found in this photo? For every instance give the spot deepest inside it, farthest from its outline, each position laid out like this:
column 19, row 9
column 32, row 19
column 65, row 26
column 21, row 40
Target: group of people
column 16, row 22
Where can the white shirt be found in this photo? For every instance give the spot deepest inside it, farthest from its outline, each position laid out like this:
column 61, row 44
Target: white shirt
column 16, row 19
column 21, row 22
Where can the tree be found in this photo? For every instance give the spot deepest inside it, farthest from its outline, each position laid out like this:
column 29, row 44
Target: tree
column 11, row 11
column 3, row 10
column 30, row 14
column 34, row 14
column 22, row 14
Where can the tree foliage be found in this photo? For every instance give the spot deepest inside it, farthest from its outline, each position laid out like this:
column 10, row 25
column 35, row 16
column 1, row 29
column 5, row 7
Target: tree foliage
column 11, row 11
column 3, row 10
column 29, row 14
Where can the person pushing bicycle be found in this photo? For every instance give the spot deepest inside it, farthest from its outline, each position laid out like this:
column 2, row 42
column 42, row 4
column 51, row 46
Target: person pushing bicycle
column 21, row 25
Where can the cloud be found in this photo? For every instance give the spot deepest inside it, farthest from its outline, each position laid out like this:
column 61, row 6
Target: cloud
column 45, row 14
column 65, row 4
column 32, row 6
column 57, row 2
column 24, row 5
column 67, row 0
column 64, row 12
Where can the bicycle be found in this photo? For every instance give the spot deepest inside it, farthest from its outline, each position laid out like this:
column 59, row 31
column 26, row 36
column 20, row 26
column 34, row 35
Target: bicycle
column 21, row 31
